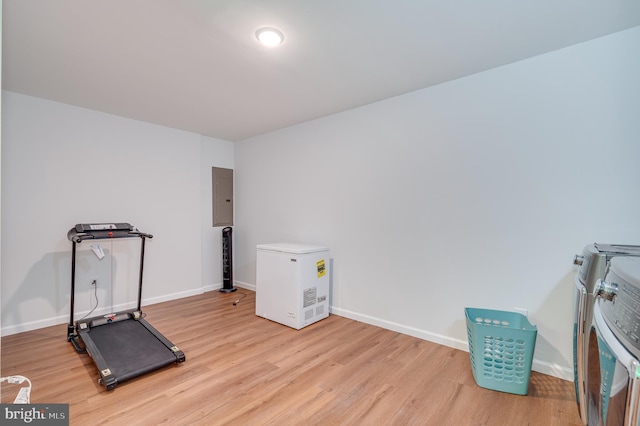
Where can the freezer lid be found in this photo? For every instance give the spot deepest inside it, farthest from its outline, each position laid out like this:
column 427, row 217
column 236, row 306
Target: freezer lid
column 292, row 248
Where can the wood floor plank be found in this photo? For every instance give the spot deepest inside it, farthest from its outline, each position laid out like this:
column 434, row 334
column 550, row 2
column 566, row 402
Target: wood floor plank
column 241, row 369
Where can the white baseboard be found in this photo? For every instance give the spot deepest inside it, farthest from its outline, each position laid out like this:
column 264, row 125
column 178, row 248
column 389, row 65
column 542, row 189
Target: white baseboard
column 554, row 370
column 539, row 366
column 172, row 296
column 62, row 319
column 212, row 287
column 247, row 286
column 411, row 331
column 34, row 325
column 239, row 284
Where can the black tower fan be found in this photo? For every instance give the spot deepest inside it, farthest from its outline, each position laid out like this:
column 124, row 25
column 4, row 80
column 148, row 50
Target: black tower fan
column 227, row 262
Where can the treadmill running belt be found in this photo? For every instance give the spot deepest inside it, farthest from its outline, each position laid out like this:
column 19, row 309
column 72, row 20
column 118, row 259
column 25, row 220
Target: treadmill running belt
column 130, row 349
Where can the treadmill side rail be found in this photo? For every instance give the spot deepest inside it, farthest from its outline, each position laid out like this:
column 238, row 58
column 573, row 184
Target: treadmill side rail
column 106, row 378
column 166, row 342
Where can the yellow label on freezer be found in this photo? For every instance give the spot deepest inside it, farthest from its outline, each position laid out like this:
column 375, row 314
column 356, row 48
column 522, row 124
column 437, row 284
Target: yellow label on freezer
column 321, row 268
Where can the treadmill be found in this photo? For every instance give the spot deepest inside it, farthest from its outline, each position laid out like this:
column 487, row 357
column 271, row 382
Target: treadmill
column 123, row 345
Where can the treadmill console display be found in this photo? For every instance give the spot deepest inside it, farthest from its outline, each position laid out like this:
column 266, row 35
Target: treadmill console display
column 98, row 231
column 103, row 227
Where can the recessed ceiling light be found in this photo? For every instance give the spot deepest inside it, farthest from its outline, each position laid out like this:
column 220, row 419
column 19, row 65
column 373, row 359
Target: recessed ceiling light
column 270, row 36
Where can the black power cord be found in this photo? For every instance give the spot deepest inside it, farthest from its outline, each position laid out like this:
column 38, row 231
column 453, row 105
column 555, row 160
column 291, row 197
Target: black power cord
column 238, row 300
column 94, row 284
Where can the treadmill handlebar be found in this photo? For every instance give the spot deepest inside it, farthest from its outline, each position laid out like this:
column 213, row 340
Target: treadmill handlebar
column 79, row 233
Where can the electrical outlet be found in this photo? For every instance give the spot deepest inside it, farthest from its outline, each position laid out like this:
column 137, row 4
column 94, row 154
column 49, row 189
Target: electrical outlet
column 522, row 311
column 93, row 281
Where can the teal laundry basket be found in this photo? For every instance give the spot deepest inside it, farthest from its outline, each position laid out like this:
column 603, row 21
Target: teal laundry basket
column 501, row 349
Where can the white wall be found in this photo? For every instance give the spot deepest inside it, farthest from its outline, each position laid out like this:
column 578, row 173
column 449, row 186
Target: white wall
column 476, row 192
column 63, row 165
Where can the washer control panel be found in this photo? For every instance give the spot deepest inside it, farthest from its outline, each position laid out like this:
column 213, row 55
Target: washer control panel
column 622, row 312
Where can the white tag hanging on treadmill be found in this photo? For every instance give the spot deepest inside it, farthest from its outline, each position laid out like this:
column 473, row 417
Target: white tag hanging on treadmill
column 97, row 250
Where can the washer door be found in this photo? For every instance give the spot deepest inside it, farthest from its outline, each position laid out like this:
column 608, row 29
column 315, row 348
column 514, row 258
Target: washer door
column 612, row 391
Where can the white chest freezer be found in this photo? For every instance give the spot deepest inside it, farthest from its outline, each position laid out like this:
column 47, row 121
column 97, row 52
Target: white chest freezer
column 292, row 283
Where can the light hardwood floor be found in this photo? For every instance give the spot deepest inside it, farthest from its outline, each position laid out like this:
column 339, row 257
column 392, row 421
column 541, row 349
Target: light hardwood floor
column 244, row 370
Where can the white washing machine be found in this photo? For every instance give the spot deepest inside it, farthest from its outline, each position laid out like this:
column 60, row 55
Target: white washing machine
column 613, row 381
column 292, row 283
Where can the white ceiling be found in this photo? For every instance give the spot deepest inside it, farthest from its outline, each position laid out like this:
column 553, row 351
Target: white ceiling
column 196, row 65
